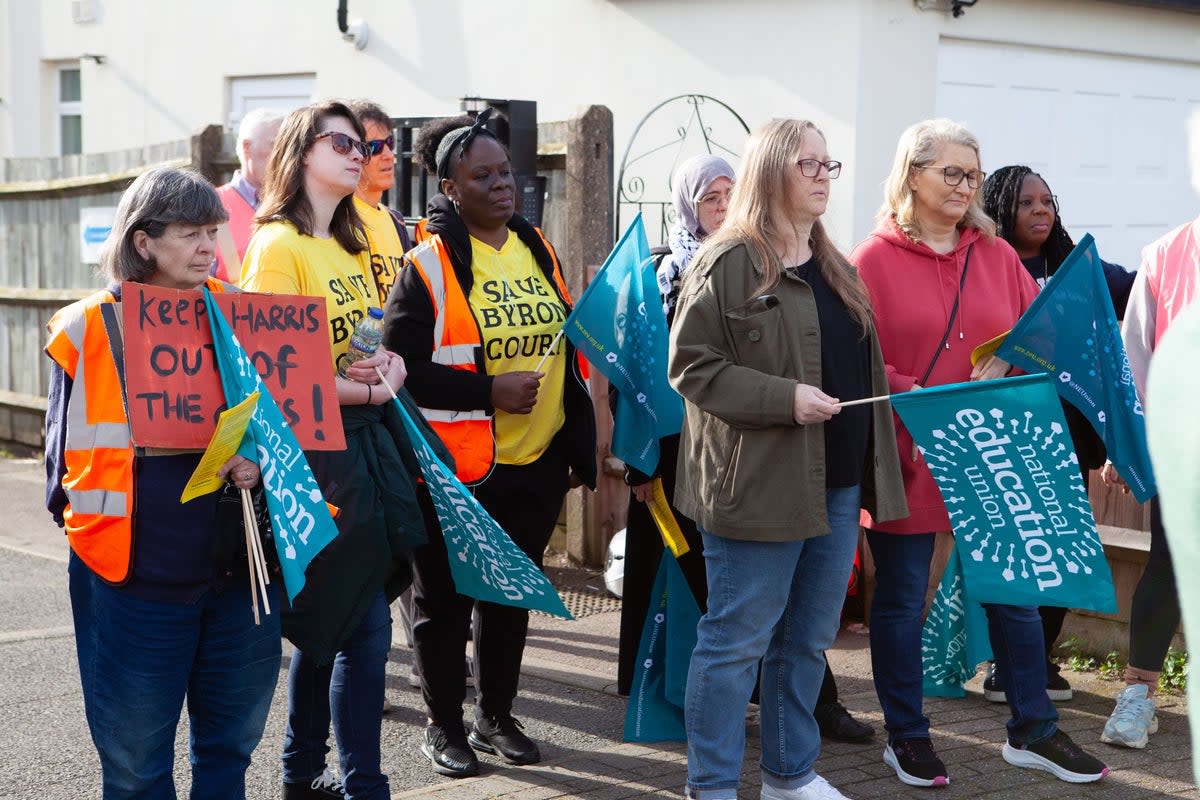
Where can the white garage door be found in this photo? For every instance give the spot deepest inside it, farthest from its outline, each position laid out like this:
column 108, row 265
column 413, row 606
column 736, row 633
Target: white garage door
column 1107, row 132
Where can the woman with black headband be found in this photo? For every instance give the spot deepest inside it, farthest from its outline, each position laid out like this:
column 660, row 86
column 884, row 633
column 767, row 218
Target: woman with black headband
column 475, row 313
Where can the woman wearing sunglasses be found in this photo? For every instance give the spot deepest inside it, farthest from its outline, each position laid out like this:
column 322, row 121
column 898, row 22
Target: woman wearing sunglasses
column 310, row 242
column 773, row 328
column 942, row 283
column 474, row 312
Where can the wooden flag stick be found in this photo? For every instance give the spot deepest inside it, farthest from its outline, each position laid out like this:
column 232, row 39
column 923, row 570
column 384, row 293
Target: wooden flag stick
column 252, row 571
column 383, row 380
column 257, row 560
column 252, row 523
column 864, row 400
column 549, row 350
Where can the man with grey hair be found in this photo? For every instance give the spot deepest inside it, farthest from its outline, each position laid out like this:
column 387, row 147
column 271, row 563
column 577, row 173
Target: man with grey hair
column 256, row 136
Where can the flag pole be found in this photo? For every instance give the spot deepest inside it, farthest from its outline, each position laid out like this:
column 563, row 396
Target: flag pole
column 864, row 400
column 384, row 381
column 258, row 560
column 550, row 349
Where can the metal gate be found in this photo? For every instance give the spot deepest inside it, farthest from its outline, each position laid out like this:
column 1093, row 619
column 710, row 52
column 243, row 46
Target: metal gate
column 672, row 132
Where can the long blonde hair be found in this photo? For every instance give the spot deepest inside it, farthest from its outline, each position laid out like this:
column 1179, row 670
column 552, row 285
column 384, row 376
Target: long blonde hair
column 765, row 176
column 919, row 146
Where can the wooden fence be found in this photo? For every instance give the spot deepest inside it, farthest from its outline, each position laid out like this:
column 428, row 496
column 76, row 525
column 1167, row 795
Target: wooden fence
column 41, row 268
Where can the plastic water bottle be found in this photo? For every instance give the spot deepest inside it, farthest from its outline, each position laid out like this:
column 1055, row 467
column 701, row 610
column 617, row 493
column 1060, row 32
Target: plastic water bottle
column 364, row 341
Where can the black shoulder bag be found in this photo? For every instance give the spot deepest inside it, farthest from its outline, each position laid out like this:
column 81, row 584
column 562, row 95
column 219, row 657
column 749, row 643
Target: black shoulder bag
column 950, row 322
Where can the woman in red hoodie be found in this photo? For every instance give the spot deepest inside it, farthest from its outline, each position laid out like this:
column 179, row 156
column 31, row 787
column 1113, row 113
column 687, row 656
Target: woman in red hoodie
column 941, row 283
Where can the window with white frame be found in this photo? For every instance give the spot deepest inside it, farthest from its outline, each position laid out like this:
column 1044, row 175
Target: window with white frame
column 70, row 111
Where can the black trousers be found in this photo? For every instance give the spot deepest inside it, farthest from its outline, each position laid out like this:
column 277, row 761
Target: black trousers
column 1154, row 616
column 525, row 501
column 643, row 551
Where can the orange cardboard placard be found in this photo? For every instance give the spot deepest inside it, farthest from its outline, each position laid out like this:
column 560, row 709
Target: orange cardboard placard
column 172, row 383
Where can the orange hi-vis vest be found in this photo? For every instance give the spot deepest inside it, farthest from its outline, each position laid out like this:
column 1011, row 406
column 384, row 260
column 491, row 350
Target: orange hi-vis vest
column 241, row 225
column 458, row 344
column 99, row 452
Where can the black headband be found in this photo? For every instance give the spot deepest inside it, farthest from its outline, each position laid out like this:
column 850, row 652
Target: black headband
column 463, row 141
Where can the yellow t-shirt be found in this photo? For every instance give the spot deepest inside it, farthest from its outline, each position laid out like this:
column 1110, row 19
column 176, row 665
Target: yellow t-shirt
column 386, row 249
column 519, row 314
column 281, row 260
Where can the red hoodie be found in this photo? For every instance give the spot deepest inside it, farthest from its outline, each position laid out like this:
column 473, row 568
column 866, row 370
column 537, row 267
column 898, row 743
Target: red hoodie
column 912, row 291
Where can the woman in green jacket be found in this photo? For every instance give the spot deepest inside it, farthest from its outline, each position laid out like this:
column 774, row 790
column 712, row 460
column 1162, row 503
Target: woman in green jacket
column 773, row 329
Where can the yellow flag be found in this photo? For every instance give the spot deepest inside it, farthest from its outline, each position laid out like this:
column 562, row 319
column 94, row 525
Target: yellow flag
column 660, row 509
column 231, row 427
column 988, row 348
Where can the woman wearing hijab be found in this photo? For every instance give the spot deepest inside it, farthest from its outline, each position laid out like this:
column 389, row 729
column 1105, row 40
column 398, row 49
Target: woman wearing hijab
column 701, row 196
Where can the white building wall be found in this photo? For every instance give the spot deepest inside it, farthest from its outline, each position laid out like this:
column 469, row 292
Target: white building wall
column 862, row 69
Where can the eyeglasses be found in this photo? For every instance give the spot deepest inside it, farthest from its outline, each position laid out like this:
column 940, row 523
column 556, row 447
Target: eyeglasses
column 343, row 144
column 954, row 175
column 377, row 145
column 811, row 167
column 715, row 197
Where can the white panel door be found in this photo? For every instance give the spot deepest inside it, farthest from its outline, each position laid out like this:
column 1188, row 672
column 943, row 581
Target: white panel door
column 282, row 93
column 1107, row 132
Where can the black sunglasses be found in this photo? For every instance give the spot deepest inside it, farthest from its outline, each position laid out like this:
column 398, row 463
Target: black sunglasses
column 343, row 143
column 377, row 145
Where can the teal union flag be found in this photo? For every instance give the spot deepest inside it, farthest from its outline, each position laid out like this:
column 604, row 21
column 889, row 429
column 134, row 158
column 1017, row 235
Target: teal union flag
column 485, row 563
column 300, row 520
column 655, row 709
column 1003, row 460
column 954, row 639
column 619, row 326
column 1070, row 331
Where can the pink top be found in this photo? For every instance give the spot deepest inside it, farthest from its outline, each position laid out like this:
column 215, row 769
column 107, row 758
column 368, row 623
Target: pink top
column 1167, row 283
column 912, row 291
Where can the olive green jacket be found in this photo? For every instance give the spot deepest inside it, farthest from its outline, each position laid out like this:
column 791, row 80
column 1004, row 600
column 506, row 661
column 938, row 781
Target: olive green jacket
column 747, row 470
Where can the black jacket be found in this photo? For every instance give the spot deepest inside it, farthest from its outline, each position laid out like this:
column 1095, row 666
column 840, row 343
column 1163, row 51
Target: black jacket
column 408, row 324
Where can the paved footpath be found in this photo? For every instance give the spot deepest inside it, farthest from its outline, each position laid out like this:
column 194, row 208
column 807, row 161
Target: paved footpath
column 567, row 703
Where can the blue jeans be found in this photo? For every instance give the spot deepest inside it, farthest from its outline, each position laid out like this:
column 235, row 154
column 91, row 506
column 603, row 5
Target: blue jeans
column 348, row 693
column 897, row 617
column 138, row 662
column 781, row 602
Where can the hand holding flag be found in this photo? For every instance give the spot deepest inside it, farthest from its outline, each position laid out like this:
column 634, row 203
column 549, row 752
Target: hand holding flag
column 619, row 326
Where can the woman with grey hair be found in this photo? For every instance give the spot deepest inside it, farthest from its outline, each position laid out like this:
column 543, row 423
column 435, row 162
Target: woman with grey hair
column 941, row 284
column 160, row 597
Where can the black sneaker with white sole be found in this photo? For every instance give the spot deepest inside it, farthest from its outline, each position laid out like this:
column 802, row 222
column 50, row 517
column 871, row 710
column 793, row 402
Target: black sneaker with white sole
column 325, row 786
column 993, row 690
column 501, row 735
column 448, row 751
column 1057, row 688
column 1059, row 756
column 916, row 763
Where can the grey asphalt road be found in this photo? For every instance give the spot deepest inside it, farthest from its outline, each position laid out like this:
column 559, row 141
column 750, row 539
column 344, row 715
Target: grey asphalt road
column 45, row 747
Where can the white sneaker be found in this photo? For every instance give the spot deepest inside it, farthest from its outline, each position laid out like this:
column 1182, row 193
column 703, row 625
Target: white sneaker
column 1133, row 720
column 816, row 789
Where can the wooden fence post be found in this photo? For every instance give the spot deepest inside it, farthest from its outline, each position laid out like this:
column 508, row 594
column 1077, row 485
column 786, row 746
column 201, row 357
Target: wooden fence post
column 206, row 153
column 592, row 518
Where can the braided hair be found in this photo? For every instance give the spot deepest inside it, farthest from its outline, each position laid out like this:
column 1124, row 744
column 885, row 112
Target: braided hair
column 1001, row 191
